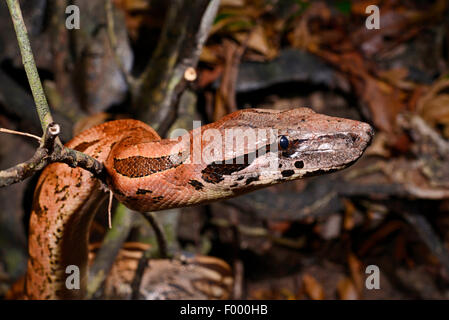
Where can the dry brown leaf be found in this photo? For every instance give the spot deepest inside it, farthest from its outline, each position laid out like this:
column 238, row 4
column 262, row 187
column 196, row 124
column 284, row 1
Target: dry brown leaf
column 312, row 287
column 355, row 266
column 257, row 41
column 379, row 146
column 208, row 76
column 346, row 289
column 225, row 100
column 433, row 107
column 383, row 100
column 209, row 55
column 301, row 37
column 397, row 77
column 378, row 236
column 348, row 222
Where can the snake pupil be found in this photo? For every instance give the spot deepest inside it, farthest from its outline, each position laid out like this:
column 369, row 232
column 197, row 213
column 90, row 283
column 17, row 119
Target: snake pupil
column 283, row 142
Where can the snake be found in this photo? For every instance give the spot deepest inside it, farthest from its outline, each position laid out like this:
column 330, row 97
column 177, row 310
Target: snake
column 244, row 151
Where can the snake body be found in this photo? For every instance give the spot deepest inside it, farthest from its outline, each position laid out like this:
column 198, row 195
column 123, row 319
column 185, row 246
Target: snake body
column 148, row 173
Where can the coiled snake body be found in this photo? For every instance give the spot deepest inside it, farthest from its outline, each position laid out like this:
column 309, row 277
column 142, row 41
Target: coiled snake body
column 147, row 173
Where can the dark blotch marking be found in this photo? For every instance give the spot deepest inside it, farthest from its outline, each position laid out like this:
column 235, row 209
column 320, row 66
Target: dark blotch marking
column 299, row 164
column 118, row 192
column 234, row 185
column 196, row 184
column 143, row 191
column 251, row 179
column 36, row 204
column 138, row 166
column 84, row 145
column 287, row 173
column 60, row 190
column 240, row 178
column 215, row 171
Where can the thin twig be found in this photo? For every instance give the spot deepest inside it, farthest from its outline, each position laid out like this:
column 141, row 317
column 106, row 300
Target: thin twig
column 30, row 66
column 138, row 275
column 20, row 133
column 113, row 43
column 111, row 196
column 160, row 236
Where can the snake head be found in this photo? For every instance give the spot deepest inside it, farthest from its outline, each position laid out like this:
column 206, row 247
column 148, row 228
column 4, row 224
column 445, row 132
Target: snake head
column 300, row 143
column 316, row 144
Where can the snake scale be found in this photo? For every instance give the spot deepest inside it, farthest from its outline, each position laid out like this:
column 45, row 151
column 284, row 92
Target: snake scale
column 147, row 173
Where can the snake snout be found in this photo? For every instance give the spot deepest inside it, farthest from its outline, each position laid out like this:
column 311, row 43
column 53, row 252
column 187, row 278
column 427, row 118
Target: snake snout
column 364, row 136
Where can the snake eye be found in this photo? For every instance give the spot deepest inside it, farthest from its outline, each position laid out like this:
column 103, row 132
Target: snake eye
column 283, row 142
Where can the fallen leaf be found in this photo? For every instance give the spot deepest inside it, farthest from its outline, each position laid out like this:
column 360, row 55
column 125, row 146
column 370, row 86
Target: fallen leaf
column 433, row 107
column 313, row 289
column 346, row 289
column 355, row 266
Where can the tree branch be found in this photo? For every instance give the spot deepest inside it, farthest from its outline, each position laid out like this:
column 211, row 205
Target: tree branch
column 110, row 23
column 50, row 150
column 159, row 233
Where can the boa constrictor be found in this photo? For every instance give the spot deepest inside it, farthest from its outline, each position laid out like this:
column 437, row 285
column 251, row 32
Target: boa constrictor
column 148, row 173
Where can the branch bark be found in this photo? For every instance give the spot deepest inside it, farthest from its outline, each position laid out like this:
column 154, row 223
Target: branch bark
column 51, row 150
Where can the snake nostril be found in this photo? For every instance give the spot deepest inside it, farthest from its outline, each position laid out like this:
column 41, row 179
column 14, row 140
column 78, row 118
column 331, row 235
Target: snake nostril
column 354, row 137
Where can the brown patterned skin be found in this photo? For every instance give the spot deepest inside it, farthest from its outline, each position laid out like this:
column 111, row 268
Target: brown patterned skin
column 65, row 201
column 148, row 174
